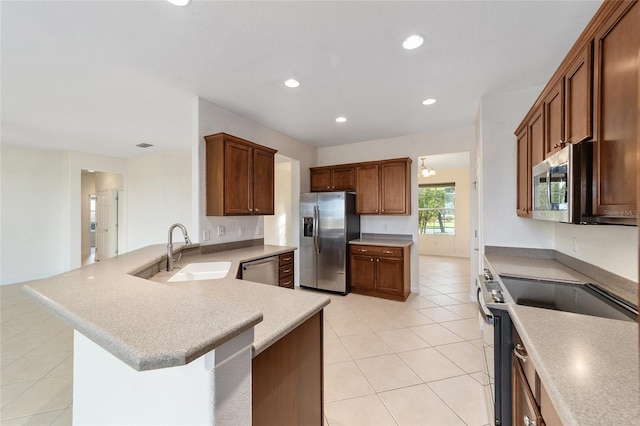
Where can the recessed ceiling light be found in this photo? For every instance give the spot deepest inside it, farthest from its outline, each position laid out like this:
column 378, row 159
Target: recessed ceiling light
column 341, row 119
column 292, row 83
column 412, row 42
column 144, row 145
column 179, row 2
column 429, row 101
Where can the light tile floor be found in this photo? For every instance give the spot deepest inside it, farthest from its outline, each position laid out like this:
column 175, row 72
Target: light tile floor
column 414, row 363
column 386, row 363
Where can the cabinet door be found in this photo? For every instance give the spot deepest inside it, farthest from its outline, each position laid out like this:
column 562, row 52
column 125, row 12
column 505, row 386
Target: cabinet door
column 390, row 275
column 577, row 86
column 536, row 138
column 616, row 113
column 368, row 189
column 362, row 272
column 394, row 198
column 343, row 179
column 553, row 105
column 523, row 181
column 320, row 180
column 524, row 405
column 263, row 182
column 238, row 178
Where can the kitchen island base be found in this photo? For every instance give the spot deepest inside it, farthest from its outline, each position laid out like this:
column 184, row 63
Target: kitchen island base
column 213, row 389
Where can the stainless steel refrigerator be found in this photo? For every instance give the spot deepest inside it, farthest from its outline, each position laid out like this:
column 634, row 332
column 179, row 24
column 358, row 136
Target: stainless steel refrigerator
column 328, row 221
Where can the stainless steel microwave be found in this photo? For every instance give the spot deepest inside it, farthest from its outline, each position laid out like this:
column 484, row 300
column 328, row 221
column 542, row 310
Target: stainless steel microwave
column 559, row 186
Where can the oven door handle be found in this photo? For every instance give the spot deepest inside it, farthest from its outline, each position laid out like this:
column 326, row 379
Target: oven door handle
column 486, row 314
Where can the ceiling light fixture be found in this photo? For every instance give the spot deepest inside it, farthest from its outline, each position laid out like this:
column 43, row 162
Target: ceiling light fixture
column 292, row 83
column 426, row 171
column 341, row 119
column 412, row 42
column 179, row 2
column 429, row 101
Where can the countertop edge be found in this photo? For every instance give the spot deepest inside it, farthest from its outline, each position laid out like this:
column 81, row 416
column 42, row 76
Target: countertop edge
column 381, row 242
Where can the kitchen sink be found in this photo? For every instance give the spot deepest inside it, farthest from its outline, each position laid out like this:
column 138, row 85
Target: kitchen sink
column 202, row 271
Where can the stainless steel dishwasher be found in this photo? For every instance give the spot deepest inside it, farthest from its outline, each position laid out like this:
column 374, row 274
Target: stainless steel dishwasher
column 263, row 271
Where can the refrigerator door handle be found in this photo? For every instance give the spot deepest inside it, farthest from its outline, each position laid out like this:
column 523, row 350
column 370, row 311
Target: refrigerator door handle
column 316, row 220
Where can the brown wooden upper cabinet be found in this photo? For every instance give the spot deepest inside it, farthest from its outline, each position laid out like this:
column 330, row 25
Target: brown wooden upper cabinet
column 383, row 187
column 530, row 139
column 567, row 105
column 593, row 95
column 616, row 49
column 333, row 178
column 239, row 177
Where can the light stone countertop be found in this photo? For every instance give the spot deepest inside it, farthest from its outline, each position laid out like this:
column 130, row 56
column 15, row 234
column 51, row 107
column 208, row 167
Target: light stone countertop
column 530, row 267
column 150, row 325
column 382, row 242
column 588, row 365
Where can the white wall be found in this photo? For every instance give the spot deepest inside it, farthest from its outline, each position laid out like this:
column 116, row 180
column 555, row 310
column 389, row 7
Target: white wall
column 214, row 119
column 413, row 146
column 158, row 194
column 278, row 228
column 500, row 116
column 41, row 208
column 610, row 247
column 34, row 193
column 458, row 245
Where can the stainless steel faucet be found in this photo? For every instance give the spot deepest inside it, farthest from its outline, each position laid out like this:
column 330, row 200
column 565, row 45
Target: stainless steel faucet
column 170, row 243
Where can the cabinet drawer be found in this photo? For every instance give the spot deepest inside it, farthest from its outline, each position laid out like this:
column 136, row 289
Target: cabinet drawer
column 286, row 282
column 286, row 271
column 286, row 259
column 377, row 250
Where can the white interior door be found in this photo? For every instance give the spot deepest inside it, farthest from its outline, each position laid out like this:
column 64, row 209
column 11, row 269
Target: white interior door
column 106, row 224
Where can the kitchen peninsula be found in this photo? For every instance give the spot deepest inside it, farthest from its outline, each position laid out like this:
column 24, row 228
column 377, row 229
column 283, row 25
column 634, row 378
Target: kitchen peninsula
column 183, row 352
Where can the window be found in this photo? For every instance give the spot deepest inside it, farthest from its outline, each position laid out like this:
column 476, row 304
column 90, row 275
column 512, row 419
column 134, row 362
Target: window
column 437, row 209
column 92, row 212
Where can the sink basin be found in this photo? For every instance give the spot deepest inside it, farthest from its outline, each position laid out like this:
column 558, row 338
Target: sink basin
column 202, row 271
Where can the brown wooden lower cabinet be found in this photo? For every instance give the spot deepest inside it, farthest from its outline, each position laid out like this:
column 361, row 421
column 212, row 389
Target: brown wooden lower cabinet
column 380, row 271
column 287, row 378
column 285, row 271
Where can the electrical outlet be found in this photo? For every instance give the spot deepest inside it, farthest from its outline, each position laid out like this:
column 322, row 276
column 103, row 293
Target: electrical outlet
column 220, row 231
column 206, row 235
column 575, row 245
column 385, row 227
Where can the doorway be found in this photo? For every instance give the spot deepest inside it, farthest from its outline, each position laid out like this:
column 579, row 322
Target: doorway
column 102, row 215
column 444, row 205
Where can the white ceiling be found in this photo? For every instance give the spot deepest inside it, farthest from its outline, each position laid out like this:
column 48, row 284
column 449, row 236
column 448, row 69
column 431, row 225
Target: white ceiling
column 100, row 76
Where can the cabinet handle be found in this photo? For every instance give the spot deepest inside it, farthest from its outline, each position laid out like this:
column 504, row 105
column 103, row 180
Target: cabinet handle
column 387, row 251
column 371, row 260
column 377, row 260
column 286, row 259
column 363, row 250
column 286, row 271
column 286, row 283
column 516, row 352
column 250, row 210
column 528, row 421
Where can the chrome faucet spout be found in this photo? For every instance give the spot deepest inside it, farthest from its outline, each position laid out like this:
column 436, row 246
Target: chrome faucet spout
column 187, row 241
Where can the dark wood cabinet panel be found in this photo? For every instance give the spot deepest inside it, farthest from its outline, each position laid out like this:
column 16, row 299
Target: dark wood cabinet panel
column 333, row 178
column 536, row 137
column 389, row 273
column 578, row 97
column 524, row 405
column 523, row 186
column 362, row 273
column 287, row 378
column 553, row 106
column 286, row 270
column 320, row 180
column 380, row 271
column 239, row 177
column 394, row 194
column 263, row 182
column 367, row 189
column 616, row 49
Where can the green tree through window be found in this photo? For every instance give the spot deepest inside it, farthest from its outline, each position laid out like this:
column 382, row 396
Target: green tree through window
column 436, row 209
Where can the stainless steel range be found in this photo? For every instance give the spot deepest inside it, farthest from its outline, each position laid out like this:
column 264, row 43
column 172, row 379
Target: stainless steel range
column 494, row 296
